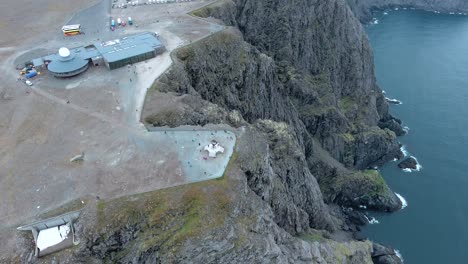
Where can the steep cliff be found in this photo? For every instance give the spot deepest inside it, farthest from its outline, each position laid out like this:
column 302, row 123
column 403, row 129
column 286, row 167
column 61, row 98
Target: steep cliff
column 363, row 8
column 295, row 81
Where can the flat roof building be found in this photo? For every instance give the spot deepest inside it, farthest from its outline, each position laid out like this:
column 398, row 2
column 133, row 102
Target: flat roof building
column 120, row 52
column 114, row 53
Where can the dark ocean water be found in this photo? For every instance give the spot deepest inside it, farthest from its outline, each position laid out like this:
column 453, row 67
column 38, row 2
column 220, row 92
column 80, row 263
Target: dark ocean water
column 421, row 58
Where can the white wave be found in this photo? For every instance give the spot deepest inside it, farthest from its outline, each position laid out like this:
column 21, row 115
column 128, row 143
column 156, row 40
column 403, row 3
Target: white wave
column 371, row 220
column 396, row 8
column 407, row 170
column 385, row 13
column 393, row 101
column 383, row 92
column 404, row 8
column 418, row 165
column 406, row 129
column 394, row 159
column 403, row 201
column 398, row 254
column 452, row 13
column 460, row 13
column 404, row 151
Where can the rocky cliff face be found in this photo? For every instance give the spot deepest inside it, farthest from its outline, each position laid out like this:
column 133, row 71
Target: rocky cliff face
column 299, row 76
column 363, row 8
column 295, row 80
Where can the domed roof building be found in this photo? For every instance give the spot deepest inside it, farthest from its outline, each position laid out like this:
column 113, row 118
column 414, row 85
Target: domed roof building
column 67, row 63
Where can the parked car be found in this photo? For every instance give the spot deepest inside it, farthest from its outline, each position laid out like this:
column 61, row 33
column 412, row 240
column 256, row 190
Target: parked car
column 28, row 82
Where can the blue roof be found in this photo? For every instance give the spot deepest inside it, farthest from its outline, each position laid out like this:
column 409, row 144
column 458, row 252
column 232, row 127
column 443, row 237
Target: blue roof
column 126, row 47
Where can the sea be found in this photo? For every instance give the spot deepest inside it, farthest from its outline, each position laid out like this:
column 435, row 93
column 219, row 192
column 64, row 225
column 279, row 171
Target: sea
column 421, row 59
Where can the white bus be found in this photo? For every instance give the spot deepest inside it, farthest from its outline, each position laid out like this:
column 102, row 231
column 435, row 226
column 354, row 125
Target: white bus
column 71, row 29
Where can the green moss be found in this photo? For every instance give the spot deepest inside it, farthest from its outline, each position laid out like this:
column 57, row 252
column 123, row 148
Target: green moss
column 164, row 118
column 369, row 180
column 208, row 10
column 376, row 178
column 232, row 160
column 376, row 131
column 342, row 252
column 167, row 218
column 185, row 53
column 312, row 236
column 348, row 137
column 347, row 103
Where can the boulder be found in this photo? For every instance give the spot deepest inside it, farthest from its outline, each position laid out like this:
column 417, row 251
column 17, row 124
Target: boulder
column 384, row 255
column 408, row 163
column 394, row 126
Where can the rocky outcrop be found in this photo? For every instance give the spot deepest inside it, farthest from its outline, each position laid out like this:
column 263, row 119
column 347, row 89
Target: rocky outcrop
column 393, row 124
column 384, row 255
column 408, row 163
column 221, row 221
column 365, row 189
column 363, row 8
column 277, row 171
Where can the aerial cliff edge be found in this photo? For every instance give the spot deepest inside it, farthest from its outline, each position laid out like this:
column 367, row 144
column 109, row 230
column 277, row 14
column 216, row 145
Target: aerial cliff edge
column 294, row 80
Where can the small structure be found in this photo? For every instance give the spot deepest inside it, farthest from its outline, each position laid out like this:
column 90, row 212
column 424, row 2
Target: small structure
column 213, row 149
column 53, row 234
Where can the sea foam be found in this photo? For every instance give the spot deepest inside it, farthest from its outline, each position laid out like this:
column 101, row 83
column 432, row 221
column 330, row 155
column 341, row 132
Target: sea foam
column 398, row 254
column 403, row 201
column 404, row 151
column 393, row 101
column 371, row 220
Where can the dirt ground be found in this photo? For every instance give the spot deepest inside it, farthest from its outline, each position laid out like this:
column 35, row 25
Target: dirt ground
column 97, row 112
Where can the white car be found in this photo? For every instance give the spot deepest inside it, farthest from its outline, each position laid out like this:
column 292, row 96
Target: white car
column 28, row 82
